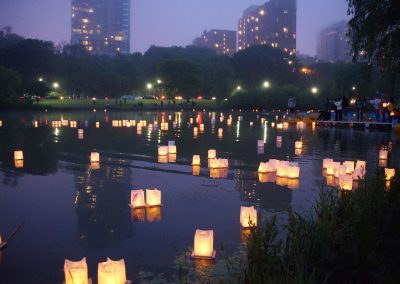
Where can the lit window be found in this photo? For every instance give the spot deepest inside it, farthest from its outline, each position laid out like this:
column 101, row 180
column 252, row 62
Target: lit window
column 85, row 21
column 285, row 29
column 262, row 12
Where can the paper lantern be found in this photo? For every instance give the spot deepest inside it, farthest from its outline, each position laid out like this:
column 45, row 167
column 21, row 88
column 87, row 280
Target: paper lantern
column 163, row 150
column 293, row 172
column 260, row 143
column 339, row 170
column 196, row 160
column 266, row 168
column 279, row 139
column 36, row 124
column 359, row 173
column 18, row 155
column 202, row 127
column 272, row 124
column 248, row 216
column 389, row 173
column 383, row 154
column 204, row 244
column 282, row 169
column 331, row 181
column 345, row 182
column 172, row 149
column 138, row 214
column 137, row 198
column 274, row 164
column 80, row 131
column 331, row 167
column 361, row 164
column 163, row 159
column 349, row 167
column 73, row 124
column 94, row 157
column 212, row 154
column 196, row 170
column 1, row 123
column 153, row 214
column 153, row 197
column 279, row 126
column 220, row 132
column 326, row 163
column 111, row 272
column 298, row 145
column 264, row 178
column 251, row 123
column 76, row 272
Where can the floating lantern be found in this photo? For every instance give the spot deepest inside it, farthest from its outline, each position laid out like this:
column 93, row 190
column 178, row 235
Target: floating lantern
column 383, row 154
column 143, row 123
column 202, row 127
column 76, row 272
column 326, row 163
column 1, row 123
column 248, row 216
column 349, row 167
column 389, row 173
column 293, row 172
column 97, row 124
column 345, row 182
column 260, row 143
column 195, row 131
column 111, row 272
column 272, row 124
column 282, row 169
column 212, row 154
column 331, row 181
column 298, row 145
column 266, row 168
column 18, row 155
column 279, row 126
column 251, row 123
column 153, row 214
column 382, row 163
column 361, row 164
column 331, row 167
column 219, row 163
column 314, row 124
column 298, row 152
column 220, row 132
column 153, row 197
column 163, row 150
column 94, row 157
column 274, row 164
column 196, row 170
column 196, row 160
column 137, row 199
column 339, row 170
column 279, row 139
column 80, row 131
column 359, row 173
column 285, row 125
column 204, row 244
column 172, row 149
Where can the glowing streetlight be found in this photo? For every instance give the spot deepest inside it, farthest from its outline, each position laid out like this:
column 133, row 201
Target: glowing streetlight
column 314, row 90
column 159, row 81
column 354, row 88
column 238, row 88
column 266, row 84
column 56, row 85
column 149, row 86
column 40, row 79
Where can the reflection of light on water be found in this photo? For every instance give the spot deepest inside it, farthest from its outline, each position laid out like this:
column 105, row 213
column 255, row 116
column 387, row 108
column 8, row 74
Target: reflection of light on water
column 265, row 133
column 153, row 214
column 237, row 130
column 138, row 214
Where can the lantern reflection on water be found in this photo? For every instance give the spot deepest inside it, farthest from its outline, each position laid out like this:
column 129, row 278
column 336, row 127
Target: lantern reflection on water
column 19, row 164
column 293, row 171
column 111, row 272
column 345, row 182
column 218, row 173
column 282, row 181
column 138, row 214
column 172, row 149
column 204, row 244
column 389, row 173
column 349, row 165
column 264, row 178
column 153, row 197
column 293, row 183
column 153, row 214
column 218, row 163
column 94, row 165
column 202, row 127
column 248, row 216
column 137, row 199
column 163, row 159
column 196, row 170
column 76, row 272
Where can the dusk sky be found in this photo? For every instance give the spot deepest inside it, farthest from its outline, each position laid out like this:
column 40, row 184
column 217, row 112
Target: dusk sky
column 166, row 22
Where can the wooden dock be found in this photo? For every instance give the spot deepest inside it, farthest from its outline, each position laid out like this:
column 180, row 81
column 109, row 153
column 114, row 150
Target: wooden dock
column 355, row 124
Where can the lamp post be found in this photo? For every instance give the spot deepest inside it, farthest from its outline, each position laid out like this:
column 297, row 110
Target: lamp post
column 149, row 86
column 314, row 90
column 266, row 84
column 56, row 85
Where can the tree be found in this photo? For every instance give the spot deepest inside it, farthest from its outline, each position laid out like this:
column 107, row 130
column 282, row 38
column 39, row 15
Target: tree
column 37, row 88
column 10, row 82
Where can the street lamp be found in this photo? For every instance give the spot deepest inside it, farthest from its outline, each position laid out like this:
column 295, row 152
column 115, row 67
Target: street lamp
column 40, row 79
column 238, row 88
column 159, row 81
column 56, row 85
column 149, row 86
column 354, row 88
column 266, row 85
column 314, row 90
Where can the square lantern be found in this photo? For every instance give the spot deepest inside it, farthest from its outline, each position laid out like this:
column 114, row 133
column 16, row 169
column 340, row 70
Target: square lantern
column 111, row 272
column 163, row 159
column 279, row 139
column 282, row 169
column 18, row 155
column 220, row 132
column 383, row 154
column 76, row 272
column 265, row 168
column 274, row 164
column 260, row 143
column 339, row 170
column 345, row 182
column 212, row 154
column 202, row 127
column 293, row 172
column 223, row 163
column 293, row 183
column 248, row 216
column 359, row 173
column 196, row 160
column 326, row 163
column 80, row 131
column 172, row 149
column 137, row 198
column 349, row 167
column 163, row 150
column 298, row 145
column 282, row 181
column 94, row 157
column 361, row 164
column 389, row 173
column 330, row 170
column 153, row 197
column 273, row 124
column 204, row 244
column 213, row 163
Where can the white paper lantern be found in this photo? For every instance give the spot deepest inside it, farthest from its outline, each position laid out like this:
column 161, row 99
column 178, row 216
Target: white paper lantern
column 349, row 167
column 163, row 150
column 18, row 155
column 204, row 244
column 94, row 157
column 345, row 182
column 153, row 197
column 293, row 172
column 137, row 198
column 266, row 168
column 196, row 160
column 76, row 272
column 274, row 164
column 326, row 163
column 339, row 170
column 383, row 154
column 248, row 216
column 389, row 173
column 111, row 272
column 298, row 145
column 282, row 169
column 172, row 149
column 212, row 154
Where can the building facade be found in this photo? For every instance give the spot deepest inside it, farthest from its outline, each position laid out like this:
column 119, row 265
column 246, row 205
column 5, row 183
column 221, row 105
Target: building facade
column 101, row 26
column 334, row 44
column 273, row 23
column 222, row 41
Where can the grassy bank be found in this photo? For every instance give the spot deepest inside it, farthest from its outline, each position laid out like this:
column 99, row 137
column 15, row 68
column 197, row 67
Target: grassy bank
column 349, row 237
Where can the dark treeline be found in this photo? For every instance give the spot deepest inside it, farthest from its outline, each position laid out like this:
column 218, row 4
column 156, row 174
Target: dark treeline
column 187, row 72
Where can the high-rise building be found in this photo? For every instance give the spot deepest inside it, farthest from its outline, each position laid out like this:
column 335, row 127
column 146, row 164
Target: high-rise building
column 222, row 41
column 272, row 23
column 101, row 26
column 334, row 44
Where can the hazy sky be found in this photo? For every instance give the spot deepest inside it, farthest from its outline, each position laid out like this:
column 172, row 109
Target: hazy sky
column 166, row 22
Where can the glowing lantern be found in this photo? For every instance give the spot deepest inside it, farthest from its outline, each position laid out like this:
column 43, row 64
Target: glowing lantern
column 196, row 160
column 349, row 167
column 298, row 145
column 345, row 182
column 326, row 163
column 172, row 149
column 202, row 127
column 285, row 125
column 383, row 154
column 97, row 124
column 1, row 123
column 272, row 124
column 279, row 126
column 94, row 157
column 361, row 164
column 153, row 197
column 260, row 143
column 111, row 272
column 143, row 123
column 248, row 216
column 331, row 181
column 163, row 150
column 282, row 169
column 359, row 173
column 36, row 124
column 137, row 199
column 282, row 181
column 220, row 132
column 204, row 244
column 279, row 139
column 331, row 168
column 274, row 164
column 389, row 173
column 18, row 155
column 293, row 172
column 382, row 163
column 94, row 165
column 212, row 154
column 251, row 123
column 76, row 272
column 163, row 159
column 339, row 170
column 72, row 124
column 218, row 173
column 266, row 168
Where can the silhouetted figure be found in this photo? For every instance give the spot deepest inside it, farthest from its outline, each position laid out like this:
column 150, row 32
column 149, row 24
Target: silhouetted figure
column 339, row 108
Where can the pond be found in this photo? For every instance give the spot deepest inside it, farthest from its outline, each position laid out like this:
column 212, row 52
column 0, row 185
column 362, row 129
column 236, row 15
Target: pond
column 60, row 206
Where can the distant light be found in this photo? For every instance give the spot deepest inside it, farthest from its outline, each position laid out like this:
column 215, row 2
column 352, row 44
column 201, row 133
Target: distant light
column 290, row 62
column 159, row 81
column 238, row 88
column 314, row 90
column 56, row 85
column 149, row 86
column 213, row 98
column 354, row 88
column 40, row 79
column 199, row 97
column 262, row 12
column 93, row 98
column 266, row 84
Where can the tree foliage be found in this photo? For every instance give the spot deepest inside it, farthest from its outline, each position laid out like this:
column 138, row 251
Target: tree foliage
column 10, row 82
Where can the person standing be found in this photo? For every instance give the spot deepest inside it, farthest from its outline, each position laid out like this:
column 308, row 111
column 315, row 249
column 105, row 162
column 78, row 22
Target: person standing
column 345, row 105
column 360, row 108
column 376, row 104
column 292, row 104
column 339, row 108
